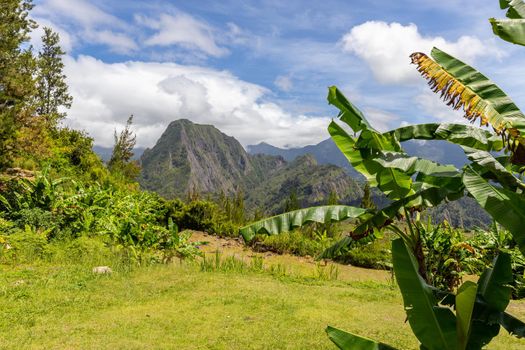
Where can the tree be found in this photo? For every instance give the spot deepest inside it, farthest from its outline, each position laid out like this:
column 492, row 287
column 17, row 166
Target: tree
column 121, row 159
column 292, row 203
column 17, row 66
column 52, row 90
column 332, row 198
column 366, row 201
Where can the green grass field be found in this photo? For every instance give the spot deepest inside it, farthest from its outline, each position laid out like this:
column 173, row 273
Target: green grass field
column 178, row 306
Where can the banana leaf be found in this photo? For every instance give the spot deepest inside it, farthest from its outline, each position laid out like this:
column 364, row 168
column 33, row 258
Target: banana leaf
column 433, row 325
column 351, row 115
column 285, row 222
column 461, row 86
column 459, row 134
column 465, row 300
column 494, row 295
column 484, row 163
column 506, row 207
column 390, row 171
column 511, row 30
column 348, row 341
column 516, row 8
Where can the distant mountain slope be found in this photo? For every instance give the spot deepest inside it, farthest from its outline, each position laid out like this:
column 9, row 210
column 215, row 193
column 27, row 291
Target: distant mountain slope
column 311, row 182
column 326, row 152
column 200, row 158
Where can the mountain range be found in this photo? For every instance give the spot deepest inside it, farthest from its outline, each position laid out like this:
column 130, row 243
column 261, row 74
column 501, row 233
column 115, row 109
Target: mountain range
column 191, row 157
column 326, row 152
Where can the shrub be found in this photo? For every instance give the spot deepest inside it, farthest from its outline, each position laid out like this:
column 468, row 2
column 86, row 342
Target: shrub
column 376, row 255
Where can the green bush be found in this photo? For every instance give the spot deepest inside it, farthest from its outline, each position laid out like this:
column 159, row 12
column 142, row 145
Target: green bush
column 294, row 242
column 24, row 246
column 197, row 215
column 375, row 255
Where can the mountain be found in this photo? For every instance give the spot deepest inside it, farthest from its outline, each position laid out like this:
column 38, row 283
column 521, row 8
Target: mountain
column 326, row 152
column 193, row 157
column 312, row 183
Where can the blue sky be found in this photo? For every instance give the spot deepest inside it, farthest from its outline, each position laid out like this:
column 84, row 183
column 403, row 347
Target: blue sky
column 259, row 70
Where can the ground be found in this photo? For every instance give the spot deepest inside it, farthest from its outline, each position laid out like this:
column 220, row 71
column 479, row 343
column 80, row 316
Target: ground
column 286, row 304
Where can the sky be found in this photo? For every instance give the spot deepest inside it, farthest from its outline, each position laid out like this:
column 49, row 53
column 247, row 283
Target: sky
column 259, row 70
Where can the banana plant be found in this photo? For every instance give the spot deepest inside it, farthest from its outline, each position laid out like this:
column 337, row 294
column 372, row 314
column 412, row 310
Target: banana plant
column 495, row 182
column 468, row 319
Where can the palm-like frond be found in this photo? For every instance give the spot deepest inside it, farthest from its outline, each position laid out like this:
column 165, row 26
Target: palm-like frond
column 461, row 86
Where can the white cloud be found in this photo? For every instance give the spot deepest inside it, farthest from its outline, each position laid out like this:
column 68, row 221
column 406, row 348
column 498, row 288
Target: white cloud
column 380, row 120
column 284, row 82
column 80, row 21
column 117, row 42
column 437, row 110
column 386, row 47
column 158, row 93
column 183, row 30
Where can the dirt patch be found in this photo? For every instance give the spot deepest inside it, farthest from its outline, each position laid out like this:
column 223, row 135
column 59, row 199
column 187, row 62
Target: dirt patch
column 303, row 265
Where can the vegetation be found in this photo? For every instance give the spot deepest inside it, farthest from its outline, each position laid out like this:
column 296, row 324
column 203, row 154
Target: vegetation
column 121, row 164
column 413, row 184
column 73, row 211
column 51, row 88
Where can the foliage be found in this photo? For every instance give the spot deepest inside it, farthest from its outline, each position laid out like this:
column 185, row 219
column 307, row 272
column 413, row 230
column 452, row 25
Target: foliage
column 294, row 242
column 16, row 74
column 51, row 88
column 479, row 308
column 366, row 201
column 121, row 162
column 448, row 255
column 139, row 222
column 489, row 242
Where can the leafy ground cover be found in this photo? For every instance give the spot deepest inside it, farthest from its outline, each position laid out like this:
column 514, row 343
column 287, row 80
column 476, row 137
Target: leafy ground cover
column 278, row 302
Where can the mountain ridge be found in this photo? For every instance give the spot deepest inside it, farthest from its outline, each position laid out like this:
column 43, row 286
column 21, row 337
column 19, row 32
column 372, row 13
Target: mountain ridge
column 191, row 157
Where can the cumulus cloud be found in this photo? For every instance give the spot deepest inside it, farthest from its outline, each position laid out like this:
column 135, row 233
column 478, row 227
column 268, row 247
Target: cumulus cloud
column 386, row 47
column 158, row 93
column 183, row 30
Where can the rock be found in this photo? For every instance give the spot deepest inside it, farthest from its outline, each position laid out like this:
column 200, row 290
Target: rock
column 100, row 270
column 18, row 172
column 18, row 283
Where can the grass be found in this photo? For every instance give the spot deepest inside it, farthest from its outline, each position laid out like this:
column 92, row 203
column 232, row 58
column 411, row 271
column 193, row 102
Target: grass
column 225, row 305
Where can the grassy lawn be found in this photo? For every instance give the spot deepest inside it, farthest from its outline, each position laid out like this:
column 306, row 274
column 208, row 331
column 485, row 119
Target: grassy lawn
column 178, row 306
